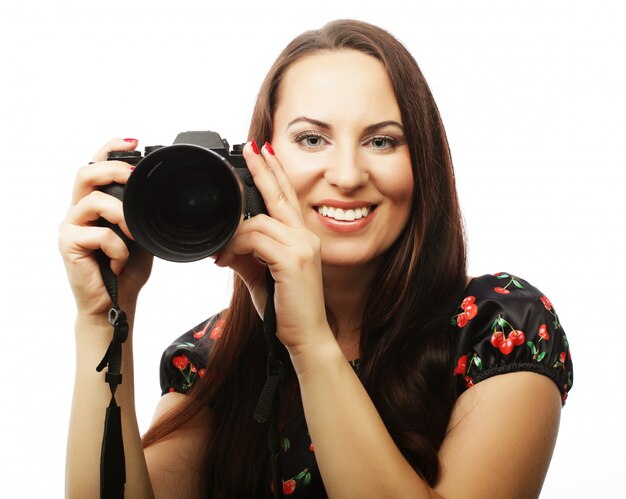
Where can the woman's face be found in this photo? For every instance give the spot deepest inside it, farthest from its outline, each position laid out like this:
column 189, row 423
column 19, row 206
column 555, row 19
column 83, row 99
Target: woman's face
column 339, row 136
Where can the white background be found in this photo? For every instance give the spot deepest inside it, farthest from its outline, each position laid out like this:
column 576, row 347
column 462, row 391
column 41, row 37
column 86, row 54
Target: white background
column 533, row 98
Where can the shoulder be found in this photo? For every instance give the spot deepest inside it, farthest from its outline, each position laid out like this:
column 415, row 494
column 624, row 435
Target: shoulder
column 504, row 324
column 185, row 359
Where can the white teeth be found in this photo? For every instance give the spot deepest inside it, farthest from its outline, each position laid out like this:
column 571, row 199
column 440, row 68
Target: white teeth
column 344, row 215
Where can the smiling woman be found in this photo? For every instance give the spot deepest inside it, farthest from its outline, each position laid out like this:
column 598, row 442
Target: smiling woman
column 343, row 158
column 397, row 363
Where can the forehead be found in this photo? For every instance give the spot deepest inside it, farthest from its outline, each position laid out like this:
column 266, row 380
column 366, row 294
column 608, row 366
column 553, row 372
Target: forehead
column 337, row 84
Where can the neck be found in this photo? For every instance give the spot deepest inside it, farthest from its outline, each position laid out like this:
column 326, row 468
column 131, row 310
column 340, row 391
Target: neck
column 345, row 292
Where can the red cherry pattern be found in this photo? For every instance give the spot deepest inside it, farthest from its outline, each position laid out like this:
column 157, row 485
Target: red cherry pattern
column 469, row 311
column 188, row 371
column 217, row 330
column 461, row 365
column 506, row 337
column 461, row 320
column 507, row 346
column 543, row 332
column 289, row 487
column 501, row 341
column 512, row 280
column 468, row 300
column 497, row 338
column 518, row 337
column 180, row 362
column 199, row 334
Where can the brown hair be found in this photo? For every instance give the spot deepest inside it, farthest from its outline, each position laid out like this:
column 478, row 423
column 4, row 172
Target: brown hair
column 406, row 346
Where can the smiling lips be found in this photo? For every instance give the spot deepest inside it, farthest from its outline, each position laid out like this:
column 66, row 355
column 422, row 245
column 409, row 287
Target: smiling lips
column 349, row 218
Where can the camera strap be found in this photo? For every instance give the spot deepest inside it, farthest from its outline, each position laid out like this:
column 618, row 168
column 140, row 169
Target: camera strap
column 112, row 461
column 267, row 404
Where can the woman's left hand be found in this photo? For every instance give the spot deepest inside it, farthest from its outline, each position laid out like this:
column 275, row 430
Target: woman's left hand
column 282, row 242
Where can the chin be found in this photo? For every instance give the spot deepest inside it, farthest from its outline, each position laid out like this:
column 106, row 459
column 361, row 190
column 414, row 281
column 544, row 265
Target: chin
column 347, row 258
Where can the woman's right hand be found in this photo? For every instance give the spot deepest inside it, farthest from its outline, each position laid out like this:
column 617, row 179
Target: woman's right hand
column 80, row 236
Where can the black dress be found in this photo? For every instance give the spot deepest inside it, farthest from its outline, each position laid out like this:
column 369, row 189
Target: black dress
column 503, row 325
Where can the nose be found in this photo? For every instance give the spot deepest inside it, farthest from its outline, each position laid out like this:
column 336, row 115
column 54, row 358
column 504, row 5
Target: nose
column 346, row 170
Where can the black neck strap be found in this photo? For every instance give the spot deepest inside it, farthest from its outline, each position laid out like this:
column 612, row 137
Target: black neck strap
column 268, row 401
column 112, row 461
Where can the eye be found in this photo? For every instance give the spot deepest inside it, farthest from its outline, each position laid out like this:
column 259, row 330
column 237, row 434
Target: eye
column 382, row 142
column 310, row 140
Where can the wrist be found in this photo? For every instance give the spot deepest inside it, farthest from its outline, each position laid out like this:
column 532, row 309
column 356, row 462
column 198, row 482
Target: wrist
column 95, row 329
column 322, row 354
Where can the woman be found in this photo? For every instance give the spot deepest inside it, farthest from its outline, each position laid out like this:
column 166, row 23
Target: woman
column 365, row 243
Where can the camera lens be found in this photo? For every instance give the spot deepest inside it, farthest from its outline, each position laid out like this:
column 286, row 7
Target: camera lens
column 183, row 202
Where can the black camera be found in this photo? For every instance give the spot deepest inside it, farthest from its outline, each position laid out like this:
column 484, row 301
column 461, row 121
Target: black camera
column 184, row 202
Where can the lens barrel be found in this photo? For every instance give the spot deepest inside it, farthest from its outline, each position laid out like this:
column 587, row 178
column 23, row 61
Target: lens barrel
column 183, row 202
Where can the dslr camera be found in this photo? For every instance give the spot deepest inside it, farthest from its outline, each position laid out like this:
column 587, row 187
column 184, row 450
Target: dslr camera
column 184, row 202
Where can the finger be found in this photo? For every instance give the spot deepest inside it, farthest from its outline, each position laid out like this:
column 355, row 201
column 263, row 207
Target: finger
column 269, row 226
column 301, row 247
column 98, row 205
column 278, row 204
column 279, row 172
column 90, row 177
column 261, row 246
column 114, row 145
column 77, row 241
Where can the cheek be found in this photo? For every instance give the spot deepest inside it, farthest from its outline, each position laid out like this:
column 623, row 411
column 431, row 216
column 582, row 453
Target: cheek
column 398, row 187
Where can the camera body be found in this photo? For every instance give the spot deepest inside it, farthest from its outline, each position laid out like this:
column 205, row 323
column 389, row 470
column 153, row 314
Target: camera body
column 184, row 202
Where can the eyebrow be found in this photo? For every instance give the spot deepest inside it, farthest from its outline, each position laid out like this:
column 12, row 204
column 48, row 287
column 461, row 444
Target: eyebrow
column 325, row 126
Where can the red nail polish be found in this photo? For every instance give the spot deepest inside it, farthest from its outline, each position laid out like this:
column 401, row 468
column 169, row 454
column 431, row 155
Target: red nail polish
column 130, row 140
column 269, row 149
column 255, row 148
column 131, row 169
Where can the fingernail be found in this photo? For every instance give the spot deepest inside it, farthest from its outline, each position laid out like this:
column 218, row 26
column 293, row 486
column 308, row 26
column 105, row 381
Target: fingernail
column 131, row 169
column 130, row 140
column 269, row 149
column 255, row 148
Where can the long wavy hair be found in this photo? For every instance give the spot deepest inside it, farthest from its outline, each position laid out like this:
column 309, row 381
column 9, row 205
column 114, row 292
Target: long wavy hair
column 406, row 344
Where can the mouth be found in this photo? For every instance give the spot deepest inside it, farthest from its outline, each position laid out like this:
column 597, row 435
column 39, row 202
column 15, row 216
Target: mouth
column 345, row 215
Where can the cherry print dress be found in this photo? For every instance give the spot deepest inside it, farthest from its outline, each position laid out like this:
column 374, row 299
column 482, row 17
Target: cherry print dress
column 502, row 325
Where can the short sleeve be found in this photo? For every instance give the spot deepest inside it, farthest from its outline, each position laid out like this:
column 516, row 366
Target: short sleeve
column 504, row 325
column 185, row 360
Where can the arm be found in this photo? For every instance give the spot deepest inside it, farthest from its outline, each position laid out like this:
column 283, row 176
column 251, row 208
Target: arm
column 169, row 468
column 497, row 445
column 356, row 455
column 354, row 451
column 78, row 238
column 501, row 437
column 91, row 397
column 175, row 462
